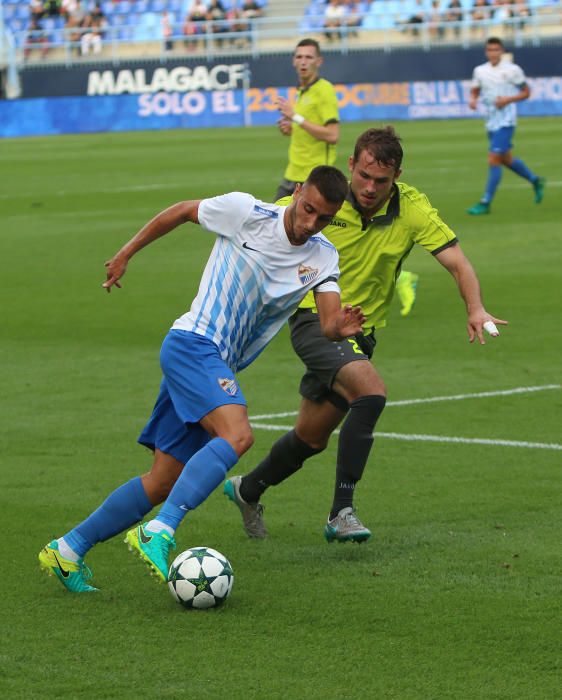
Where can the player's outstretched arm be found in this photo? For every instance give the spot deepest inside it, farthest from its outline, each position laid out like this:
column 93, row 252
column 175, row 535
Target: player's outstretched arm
column 338, row 322
column 479, row 320
column 160, row 225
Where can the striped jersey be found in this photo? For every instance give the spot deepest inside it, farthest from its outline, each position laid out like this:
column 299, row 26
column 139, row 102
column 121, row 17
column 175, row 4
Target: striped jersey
column 254, row 278
column 503, row 80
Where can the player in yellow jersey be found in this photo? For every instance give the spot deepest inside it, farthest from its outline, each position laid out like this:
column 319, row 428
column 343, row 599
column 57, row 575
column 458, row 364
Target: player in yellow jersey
column 374, row 232
column 312, row 123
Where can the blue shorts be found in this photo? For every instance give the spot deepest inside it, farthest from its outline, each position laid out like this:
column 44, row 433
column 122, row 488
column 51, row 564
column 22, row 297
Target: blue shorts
column 196, row 381
column 500, row 140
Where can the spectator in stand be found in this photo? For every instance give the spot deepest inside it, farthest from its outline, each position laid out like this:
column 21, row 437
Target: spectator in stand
column 167, row 31
column 93, row 25
column 521, row 10
column 36, row 9
column 195, row 23
column 334, row 18
column 436, row 28
column 75, row 18
column 52, row 8
column 480, row 11
column 353, row 15
column 216, row 15
column 454, row 14
column 36, row 38
column 418, row 16
column 249, row 11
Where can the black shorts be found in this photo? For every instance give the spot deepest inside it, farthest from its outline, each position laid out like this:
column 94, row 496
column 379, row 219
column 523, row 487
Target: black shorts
column 286, row 188
column 324, row 358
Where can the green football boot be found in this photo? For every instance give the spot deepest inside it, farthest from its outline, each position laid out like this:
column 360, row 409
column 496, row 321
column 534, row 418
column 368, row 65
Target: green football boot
column 539, row 185
column 153, row 548
column 478, row 209
column 74, row 575
column 406, row 287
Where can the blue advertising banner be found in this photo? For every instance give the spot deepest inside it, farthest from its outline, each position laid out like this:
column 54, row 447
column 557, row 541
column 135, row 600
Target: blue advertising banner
column 445, row 99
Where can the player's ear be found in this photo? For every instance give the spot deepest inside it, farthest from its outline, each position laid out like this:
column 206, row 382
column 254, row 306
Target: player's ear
column 296, row 191
column 397, row 174
column 350, row 163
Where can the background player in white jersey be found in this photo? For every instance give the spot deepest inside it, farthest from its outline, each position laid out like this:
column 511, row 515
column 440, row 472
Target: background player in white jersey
column 500, row 84
column 265, row 259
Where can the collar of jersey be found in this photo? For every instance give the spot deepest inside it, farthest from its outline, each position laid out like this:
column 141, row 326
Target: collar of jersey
column 391, row 209
column 301, row 91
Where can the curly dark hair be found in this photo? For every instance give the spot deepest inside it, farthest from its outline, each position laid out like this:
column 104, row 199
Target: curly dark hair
column 383, row 144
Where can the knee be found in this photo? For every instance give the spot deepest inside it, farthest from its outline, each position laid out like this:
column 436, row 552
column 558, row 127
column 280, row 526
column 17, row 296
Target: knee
column 241, row 441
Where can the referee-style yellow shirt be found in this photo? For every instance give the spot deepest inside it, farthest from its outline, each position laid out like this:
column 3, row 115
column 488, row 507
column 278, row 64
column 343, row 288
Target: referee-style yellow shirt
column 372, row 252
column 318, row 104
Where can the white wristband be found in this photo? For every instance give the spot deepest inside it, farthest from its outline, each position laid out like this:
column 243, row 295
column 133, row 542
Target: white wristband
column 297, row 118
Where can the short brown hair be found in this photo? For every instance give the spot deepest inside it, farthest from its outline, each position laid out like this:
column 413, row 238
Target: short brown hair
column 330, row 182
column 383, row 144
column 495, row 40
column 309, row 42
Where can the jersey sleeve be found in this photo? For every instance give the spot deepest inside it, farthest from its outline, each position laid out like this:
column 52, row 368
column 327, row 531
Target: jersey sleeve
column 225, row 214
column 518, row 77
column 428, row 229
column 476, row 82
column 328, row 106
column 329, row 281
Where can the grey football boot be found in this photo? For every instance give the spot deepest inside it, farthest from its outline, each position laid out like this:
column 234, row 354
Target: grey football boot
column 346, row 527
column 252, row 513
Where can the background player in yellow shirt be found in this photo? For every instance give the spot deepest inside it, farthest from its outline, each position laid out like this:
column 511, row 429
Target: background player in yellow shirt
column 312, row 123
column 374, row 231
column 313, row 126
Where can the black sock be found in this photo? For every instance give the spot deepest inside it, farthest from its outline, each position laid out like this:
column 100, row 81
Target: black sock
column 354, row 446
column 285, row 458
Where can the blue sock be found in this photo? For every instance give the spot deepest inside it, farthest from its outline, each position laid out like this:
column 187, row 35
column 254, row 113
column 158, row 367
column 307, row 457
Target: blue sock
column 519, row 167
column 200, row 476
column 124, row 507
column 494, row 177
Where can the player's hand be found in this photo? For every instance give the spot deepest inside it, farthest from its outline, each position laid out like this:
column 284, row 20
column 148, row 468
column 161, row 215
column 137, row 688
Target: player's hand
column 349, row 321
column 115, row 269
column 482, row 321
column 473, row 103
column 284, row 106
column 501, row 102
column 285, row 126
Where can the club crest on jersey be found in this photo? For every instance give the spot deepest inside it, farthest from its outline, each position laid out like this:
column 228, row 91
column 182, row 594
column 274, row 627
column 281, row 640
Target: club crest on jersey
column 228, row 385
column 307, row 274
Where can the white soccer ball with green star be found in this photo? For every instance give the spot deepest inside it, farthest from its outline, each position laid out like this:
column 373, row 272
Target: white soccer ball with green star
column 200, row 578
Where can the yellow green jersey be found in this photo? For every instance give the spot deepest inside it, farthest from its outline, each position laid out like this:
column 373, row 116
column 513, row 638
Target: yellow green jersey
column 372, row 251
column 318, row 104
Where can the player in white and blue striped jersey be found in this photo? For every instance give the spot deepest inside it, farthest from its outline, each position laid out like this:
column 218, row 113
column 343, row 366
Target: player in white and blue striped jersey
column 500, row 84
column 265, row 259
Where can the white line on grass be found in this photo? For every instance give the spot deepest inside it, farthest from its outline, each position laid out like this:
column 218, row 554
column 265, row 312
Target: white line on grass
column 435, row 399
column 436, row 438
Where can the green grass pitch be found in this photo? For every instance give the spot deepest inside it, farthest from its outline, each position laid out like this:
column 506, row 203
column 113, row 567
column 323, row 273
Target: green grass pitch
column 458, row 593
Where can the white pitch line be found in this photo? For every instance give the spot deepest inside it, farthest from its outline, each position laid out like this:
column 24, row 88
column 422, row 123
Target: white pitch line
column 437, row 438
column 435, row 399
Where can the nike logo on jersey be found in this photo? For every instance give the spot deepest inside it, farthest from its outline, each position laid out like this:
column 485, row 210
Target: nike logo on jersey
column 245, row 245
column 145, row 539
column 64, row 572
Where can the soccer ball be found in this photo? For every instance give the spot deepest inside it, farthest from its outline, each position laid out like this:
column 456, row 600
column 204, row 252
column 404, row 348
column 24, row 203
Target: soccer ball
column 200, row 578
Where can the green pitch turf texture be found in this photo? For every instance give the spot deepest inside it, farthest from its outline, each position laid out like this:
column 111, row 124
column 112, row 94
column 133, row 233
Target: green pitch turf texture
column 458, row 595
